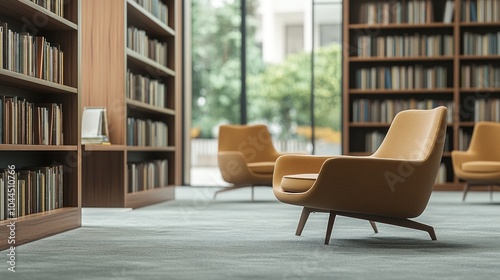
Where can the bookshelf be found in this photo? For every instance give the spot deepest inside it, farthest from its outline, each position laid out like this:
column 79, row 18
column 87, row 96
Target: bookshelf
column 419, row 54
column 40, row 118
column 138, row 81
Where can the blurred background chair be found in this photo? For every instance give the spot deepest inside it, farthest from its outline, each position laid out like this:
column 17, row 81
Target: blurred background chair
column 246, row 156
column 390, row 186
column 480, row 164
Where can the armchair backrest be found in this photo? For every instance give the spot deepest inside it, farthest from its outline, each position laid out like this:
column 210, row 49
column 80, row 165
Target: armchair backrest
column 253, row 141
column 415, row 135
column 485, row 141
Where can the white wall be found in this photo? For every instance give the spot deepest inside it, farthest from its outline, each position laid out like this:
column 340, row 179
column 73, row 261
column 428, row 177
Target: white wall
column 275, row 15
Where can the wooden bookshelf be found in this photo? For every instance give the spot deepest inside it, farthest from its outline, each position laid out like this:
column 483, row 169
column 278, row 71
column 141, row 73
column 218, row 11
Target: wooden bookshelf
column 381, row 35
column 106, row 76
column 62, row 32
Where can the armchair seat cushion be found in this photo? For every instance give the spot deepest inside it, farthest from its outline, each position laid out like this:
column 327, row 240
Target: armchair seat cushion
column 481, row 166
column 298, row 183
column 265, row 167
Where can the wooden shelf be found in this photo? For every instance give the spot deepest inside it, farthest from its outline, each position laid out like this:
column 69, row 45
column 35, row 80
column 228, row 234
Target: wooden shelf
column 360, row 154
column 369, row 124
column 401, row 25
column 26, row 16
column 467, row 124
column 475, row 90
column 353, row 135
column 105, row 176
column 480, row 57
column 152, row 67
column 41, row 225
column 22, row 81
column 401, row 91
column 149, row 149
column 450, row 186
column 143, row 19
column 27, row 9
column 12, row 147
column 148, row 197
column 479, row 24
column 103, row 148
column 141, row 106
column 400, row 59
column 447, row 154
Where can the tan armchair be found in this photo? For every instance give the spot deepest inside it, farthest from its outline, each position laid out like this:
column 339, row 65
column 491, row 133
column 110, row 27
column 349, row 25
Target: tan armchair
column 246, row 156
column 480, row 164
column 390, row 186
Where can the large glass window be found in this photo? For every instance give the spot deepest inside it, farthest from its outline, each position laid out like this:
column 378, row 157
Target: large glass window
column 327, row 76
column 216, row 80
column 216, row 86
column 287, row 88
column 279, row 72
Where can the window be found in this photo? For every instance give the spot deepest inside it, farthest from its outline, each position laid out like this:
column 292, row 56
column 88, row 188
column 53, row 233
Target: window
column 279, row 77
column 294, row 39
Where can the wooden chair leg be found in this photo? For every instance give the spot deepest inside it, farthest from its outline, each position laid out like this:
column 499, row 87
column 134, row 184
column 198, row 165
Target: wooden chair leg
column 466, row 189
column 392, row 221
column 303, row 219
column 252, row 194
column 374, row 226
column 331, row 220
column 230, row 189
column 491, row 193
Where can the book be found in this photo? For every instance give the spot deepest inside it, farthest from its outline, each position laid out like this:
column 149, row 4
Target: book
column 1, row 119
column 94, row 126
column 448, row 11
column 2, row 197
column 473, row 11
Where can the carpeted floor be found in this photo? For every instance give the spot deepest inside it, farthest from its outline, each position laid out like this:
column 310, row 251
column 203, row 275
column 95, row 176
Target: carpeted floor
column 195, row 237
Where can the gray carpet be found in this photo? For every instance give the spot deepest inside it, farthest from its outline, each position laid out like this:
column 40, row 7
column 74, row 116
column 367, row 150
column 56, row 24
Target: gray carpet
column 196, row 237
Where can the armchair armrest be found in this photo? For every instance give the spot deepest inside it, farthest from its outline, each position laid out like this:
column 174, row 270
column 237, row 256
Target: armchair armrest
column 233, row 167
column 459, row 157
column 296, row 164
column 374, row 185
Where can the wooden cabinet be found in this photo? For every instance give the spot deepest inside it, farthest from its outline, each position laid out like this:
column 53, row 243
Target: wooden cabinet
column 34, row 77
column 132, row 67
column 419, row 54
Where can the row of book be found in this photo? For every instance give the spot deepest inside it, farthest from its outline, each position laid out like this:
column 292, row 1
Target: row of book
column 464, row 138
column 441, row 177
column 146, row 133
column 55, row 6
column 30, row 55
column 481, row 44
column 373, row 140
column 401, row 77
column 30, row 190
column 146, row 89
column 147, row 175
column 479, row 76
column 383, row 111
column 138, row 41
column 156, row 8
column 389, row 11
column 486, row 110
column 405, row 45
column 480, row 10
column 23, row 122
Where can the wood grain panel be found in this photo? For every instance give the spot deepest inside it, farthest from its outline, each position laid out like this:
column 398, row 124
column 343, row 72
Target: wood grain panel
column 103, row 70
column 103, row 180
column 178, row 93
column 148, row 197
column 41, row 225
